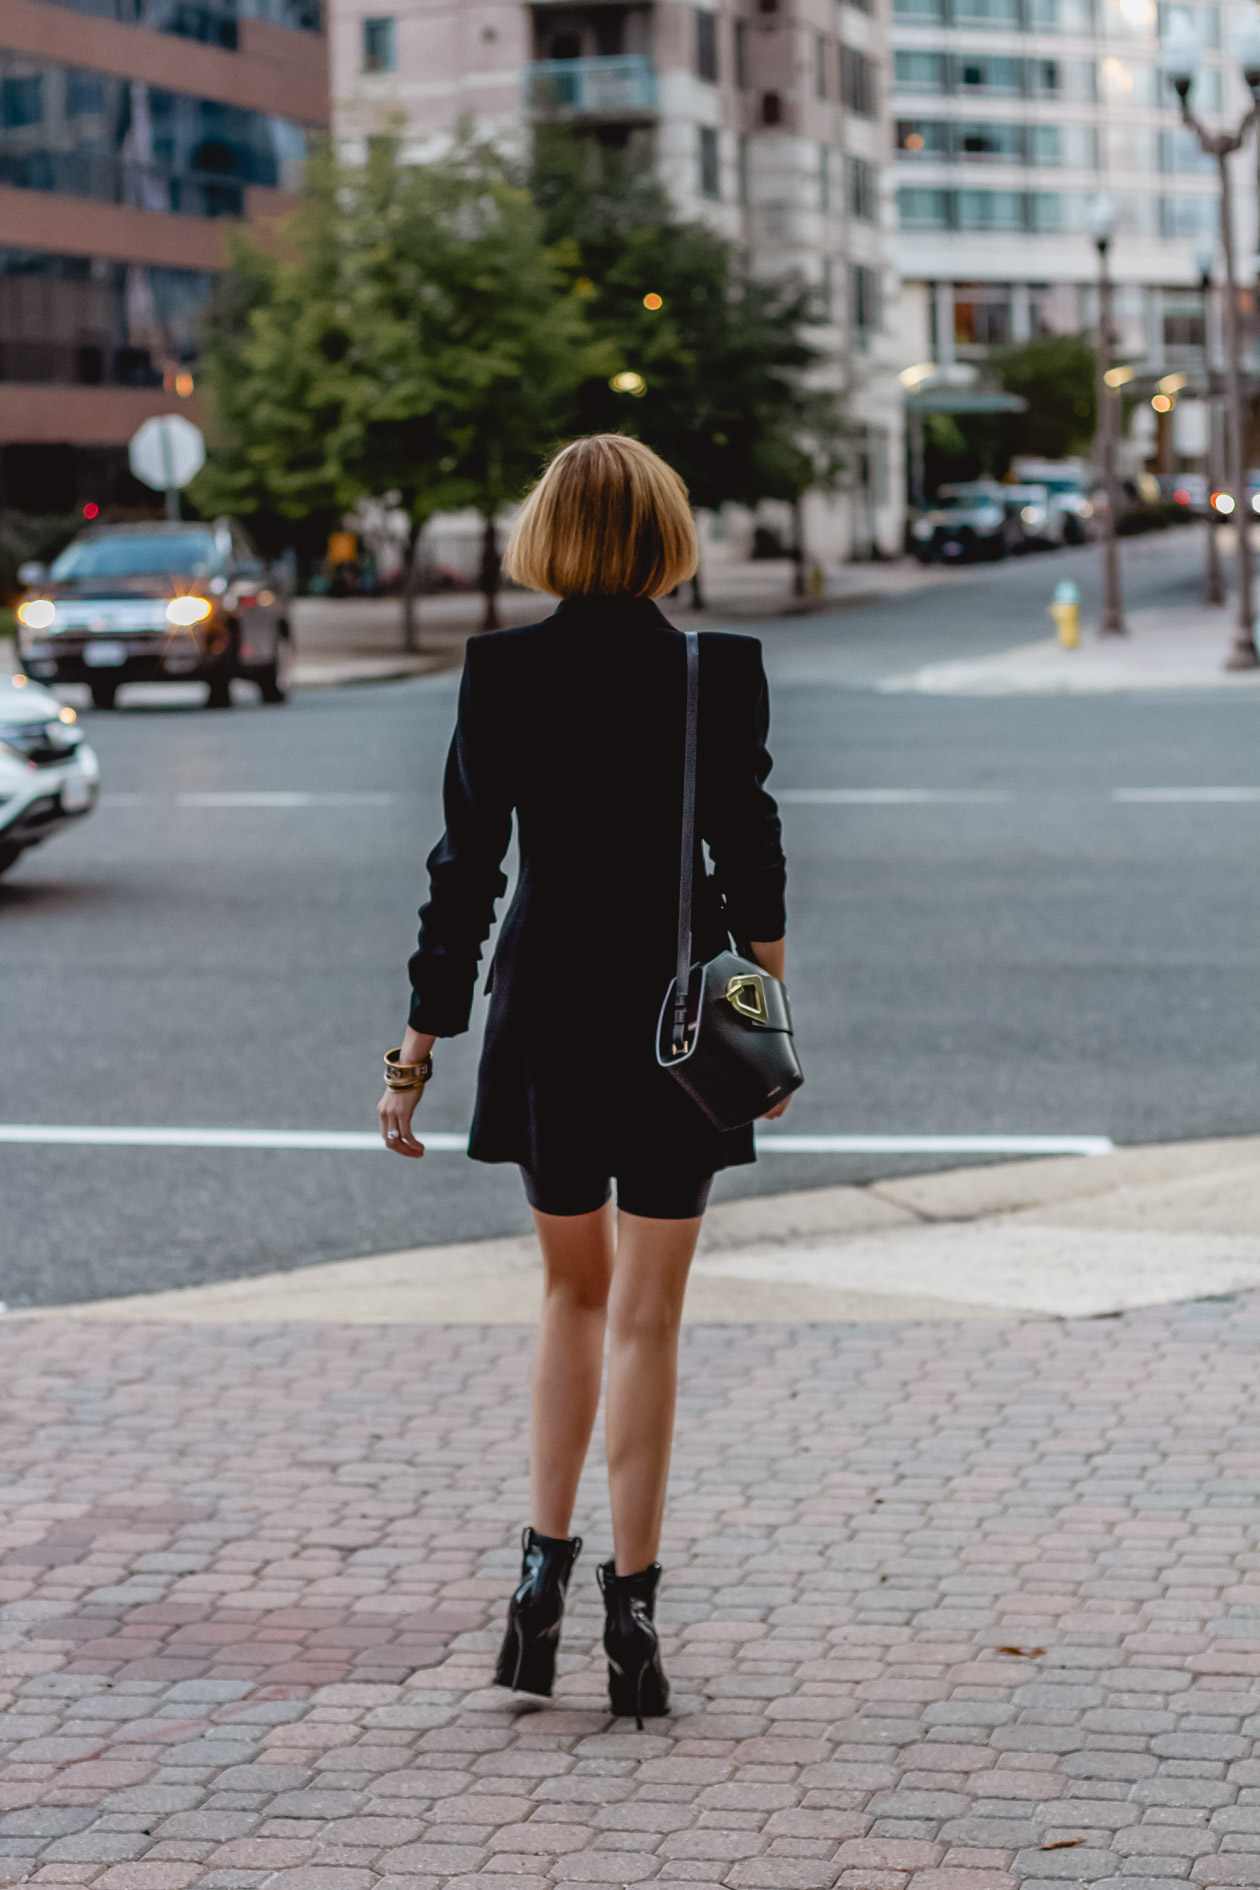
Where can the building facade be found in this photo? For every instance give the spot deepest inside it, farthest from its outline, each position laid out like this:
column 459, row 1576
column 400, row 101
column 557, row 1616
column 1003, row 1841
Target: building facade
column 767, row 119
column 132, row 132
column 1010, row 115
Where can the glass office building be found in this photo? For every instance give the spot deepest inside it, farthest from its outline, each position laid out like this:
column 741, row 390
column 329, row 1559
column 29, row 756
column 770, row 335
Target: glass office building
column 131, row 133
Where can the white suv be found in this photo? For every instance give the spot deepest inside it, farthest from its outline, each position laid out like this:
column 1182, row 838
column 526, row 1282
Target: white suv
column 48, row 773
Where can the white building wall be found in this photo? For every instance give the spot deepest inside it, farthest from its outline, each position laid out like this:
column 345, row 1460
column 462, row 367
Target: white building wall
column 464, row 62
column 1089, row 112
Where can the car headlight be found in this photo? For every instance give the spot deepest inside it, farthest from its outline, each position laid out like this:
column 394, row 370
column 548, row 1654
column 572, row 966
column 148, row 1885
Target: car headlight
column 38, row 613
column 924, row 528
column 188, row 610
column 991, row 515
column 1032, row 515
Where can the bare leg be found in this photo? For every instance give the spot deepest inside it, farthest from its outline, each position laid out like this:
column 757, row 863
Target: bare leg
column 568, row 1358
column 644, row 1314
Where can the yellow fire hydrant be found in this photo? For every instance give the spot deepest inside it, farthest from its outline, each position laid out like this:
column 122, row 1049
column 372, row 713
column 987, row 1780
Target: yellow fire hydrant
column 1066, row 611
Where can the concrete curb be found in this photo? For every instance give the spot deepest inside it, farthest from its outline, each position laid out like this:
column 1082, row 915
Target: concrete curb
column 1064, row 1237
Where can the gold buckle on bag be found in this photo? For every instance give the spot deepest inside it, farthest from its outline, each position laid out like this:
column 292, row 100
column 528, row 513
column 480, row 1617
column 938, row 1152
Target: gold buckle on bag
column 747, row 995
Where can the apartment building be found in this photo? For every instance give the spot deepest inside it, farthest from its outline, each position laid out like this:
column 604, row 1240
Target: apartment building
column 132, row 133
column 1009, row 116
column 766, row 118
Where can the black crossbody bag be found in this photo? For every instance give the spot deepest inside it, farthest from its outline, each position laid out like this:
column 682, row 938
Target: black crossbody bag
column 725, row 1029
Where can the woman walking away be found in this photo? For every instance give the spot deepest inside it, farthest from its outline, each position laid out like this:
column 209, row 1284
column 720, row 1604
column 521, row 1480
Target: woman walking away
column 576, row 725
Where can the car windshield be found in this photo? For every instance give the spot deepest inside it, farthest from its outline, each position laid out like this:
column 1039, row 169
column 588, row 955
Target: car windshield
column 165, row 554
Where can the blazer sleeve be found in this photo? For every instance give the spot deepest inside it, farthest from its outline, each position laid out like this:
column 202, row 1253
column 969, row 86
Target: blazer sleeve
column 742, row 828
column 466, row 874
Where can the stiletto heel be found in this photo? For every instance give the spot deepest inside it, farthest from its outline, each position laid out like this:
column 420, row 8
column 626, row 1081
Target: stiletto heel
column 636, row 1681
column 527, row 1659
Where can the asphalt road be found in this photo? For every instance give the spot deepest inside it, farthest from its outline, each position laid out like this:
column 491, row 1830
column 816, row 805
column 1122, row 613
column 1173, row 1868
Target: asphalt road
column 1050, row 962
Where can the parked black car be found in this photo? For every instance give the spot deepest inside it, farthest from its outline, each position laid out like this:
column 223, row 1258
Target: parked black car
column 157, row 603
column 971, row 524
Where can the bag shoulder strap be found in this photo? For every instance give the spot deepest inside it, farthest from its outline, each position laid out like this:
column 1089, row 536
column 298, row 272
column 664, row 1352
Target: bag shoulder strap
column 686, row 871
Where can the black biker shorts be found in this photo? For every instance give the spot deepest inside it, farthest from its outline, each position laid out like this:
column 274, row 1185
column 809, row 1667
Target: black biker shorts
column 658, row 1193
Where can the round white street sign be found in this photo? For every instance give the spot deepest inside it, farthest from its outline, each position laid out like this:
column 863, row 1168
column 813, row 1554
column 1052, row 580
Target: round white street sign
column 166, row 452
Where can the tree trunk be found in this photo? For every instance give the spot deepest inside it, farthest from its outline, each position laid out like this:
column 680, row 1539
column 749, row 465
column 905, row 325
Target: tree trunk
column 798, row 548
column 491, row 573
column 411, row 574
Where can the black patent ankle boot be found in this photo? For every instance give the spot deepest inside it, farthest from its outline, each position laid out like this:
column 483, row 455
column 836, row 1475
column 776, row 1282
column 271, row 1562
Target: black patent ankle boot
column 636, row 1682
column 527, row 1659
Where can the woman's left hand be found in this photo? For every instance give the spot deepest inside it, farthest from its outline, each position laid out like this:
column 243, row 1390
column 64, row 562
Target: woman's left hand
column 398, row 1106
column 395, row 1110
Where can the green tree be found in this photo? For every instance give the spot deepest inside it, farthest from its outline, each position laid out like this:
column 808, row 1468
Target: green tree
column 730, row 393
column 1055, row 375
column 412, row 333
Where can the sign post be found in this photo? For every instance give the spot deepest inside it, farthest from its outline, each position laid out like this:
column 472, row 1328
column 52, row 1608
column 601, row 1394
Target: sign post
column 167, row 452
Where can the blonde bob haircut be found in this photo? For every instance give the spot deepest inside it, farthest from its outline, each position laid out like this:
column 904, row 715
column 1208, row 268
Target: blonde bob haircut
column 607, row 519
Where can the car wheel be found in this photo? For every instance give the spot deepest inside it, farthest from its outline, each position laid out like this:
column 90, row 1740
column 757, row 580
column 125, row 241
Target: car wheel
column 8, row 854
column 273, row 678
column 104, row 695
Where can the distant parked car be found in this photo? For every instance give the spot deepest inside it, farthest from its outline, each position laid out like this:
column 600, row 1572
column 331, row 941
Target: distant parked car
column 973, row 522
column 1042, row 514
column 48, row 774
column 157, row 603
column 1071, row 484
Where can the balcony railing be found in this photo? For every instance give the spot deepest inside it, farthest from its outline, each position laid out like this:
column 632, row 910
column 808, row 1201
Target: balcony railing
column 619, row 86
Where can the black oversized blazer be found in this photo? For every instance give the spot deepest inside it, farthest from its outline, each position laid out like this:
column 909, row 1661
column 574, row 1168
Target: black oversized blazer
column 576, row 726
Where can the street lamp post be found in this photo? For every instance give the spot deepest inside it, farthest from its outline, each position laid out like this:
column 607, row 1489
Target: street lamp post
column 1213, row 580
column 1180, row 54
column 1102, row 218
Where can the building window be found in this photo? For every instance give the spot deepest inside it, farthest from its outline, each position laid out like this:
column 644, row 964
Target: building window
column 1188, row 217
column 999, row 143
column 1047, row 211
column 379, row 54
column 706, row 45
column 921, row 208
column 991, row 73
column 820, row 65
column 857, row 82
column 741, row 172
column 213, row 22
column 991, row 210
column 22, row 100
column 710, row 181
column 863, row 190
column 141, row 145
column 1045, row 76
column 87, row 321
column 824, row 177
column 923, row 138
column 1004, row 13
column 919, row 71
column 922, row 12
column 771, row 108
column 864, row 301
column 741, row 54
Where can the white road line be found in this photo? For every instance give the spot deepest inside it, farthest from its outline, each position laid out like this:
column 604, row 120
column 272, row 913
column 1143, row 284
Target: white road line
column 284, row 799
column 780, row 1144
column 1202, row 795
column 890, row 797
column 443, row 1141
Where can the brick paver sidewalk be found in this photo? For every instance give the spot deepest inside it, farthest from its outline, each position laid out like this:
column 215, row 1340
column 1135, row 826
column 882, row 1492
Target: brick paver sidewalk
column 947, row 1606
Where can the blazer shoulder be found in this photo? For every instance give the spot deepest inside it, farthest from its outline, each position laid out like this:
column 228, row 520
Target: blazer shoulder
column 735, row 657
column 492, row 647
column 735, row 648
